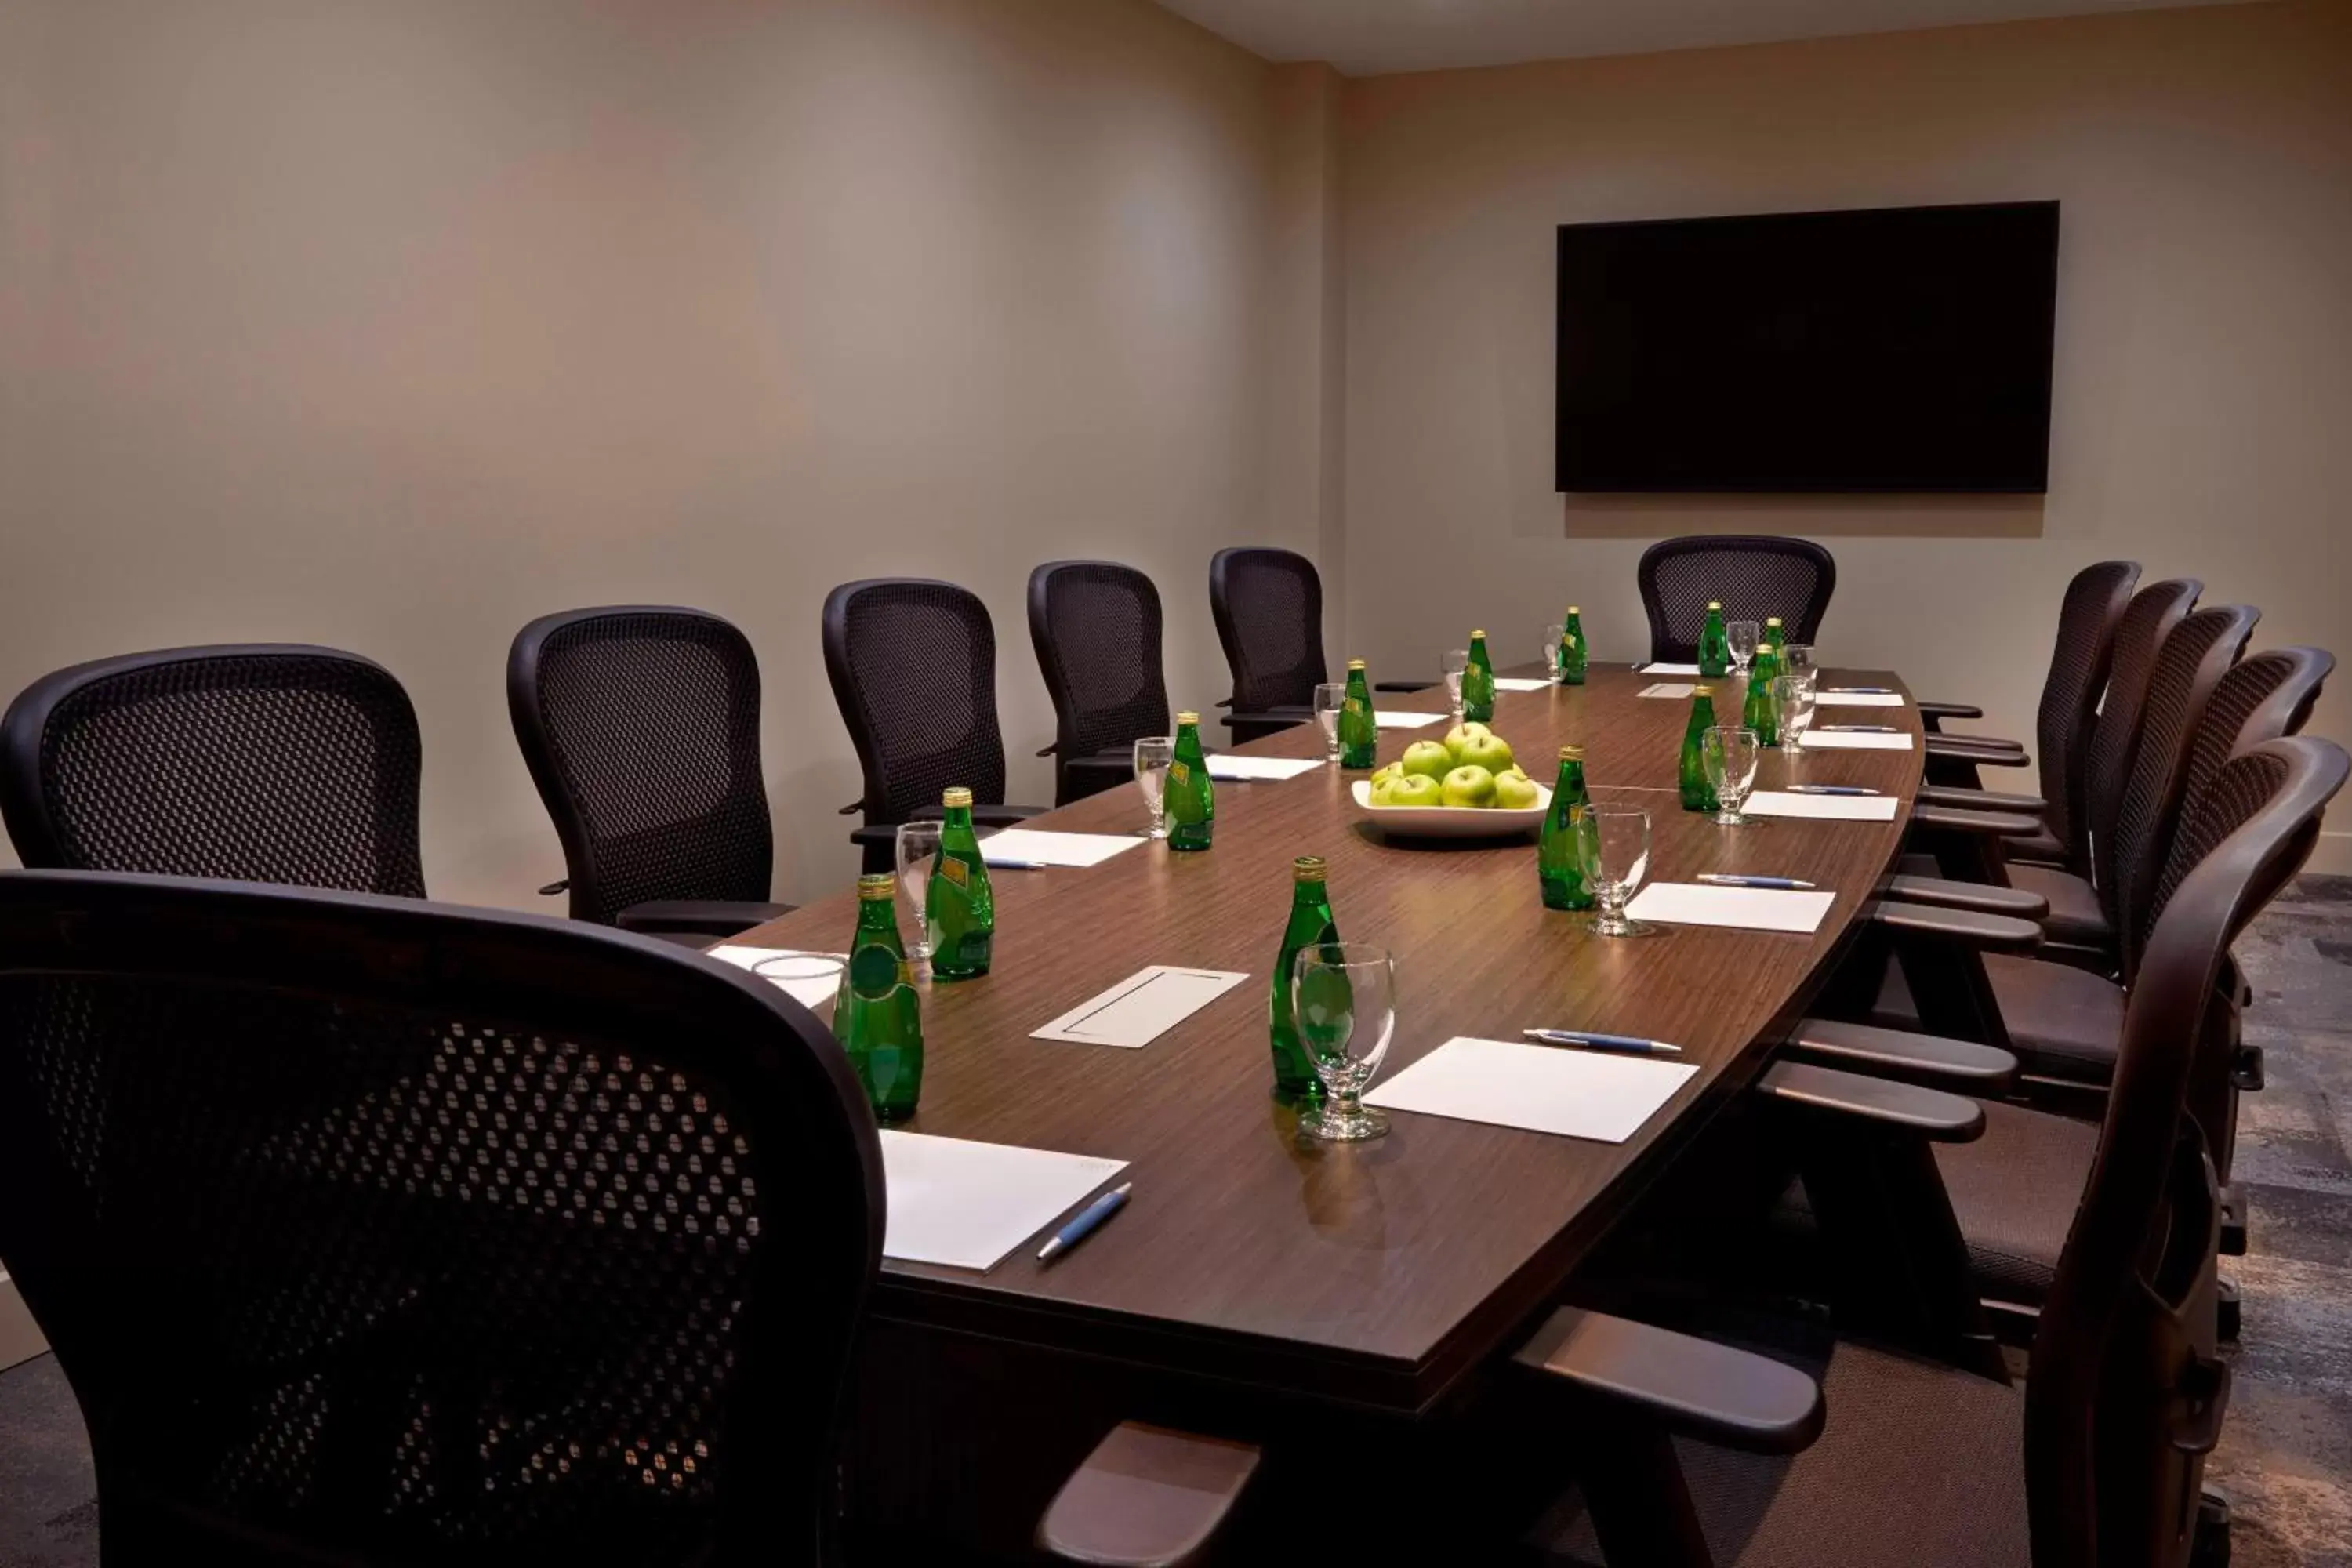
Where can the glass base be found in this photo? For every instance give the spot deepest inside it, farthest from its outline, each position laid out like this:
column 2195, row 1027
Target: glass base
column 1157, row 830
column 1733, row 819
column 1335, row 1126
column 1617, row 925
column 1789, row 748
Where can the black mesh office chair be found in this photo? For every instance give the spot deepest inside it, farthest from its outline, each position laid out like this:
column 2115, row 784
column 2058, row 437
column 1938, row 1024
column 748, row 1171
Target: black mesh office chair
column 1755, row 577
column 260, row 763
column 913, row 665
column 641, row 726
column 1268, row 607
column 1095, row 626
column 373, row 1231
column 1694, row 1451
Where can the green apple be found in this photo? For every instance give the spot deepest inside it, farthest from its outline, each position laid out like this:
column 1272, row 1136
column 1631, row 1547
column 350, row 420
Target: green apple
column 1429, row 758
column 1515, row 792
column 1416, row 789
column 1469, row 785
column 1490, row 752
column 1459, row 736
column 1385, row 774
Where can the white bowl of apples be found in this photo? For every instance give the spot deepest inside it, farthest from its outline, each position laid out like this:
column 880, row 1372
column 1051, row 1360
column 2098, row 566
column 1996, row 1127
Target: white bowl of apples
column 1467, row 785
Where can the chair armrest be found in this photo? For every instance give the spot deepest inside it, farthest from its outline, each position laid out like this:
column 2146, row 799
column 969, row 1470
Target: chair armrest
column 1146, row 1498
column 562, row 885
column 1982, row 800
column 1963, row 749
column 984, row 814
column 1047, row 751
column 1695, row 1386
column 1931, row 1113
column 1278, row 716
column 853, row 808
column 1949, row 710
column 2002, row 824
column 1929, row 1061
column 1986, row 933
column 1943, row 893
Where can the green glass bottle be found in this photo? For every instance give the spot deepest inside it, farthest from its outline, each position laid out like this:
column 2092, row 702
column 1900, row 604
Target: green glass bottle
column 1478, row 684
column 1192, row 795
column 1360, row 728
column 878, row 1016
column 960, row 906
column 1761, row 713
column 1294, row 1082
column 1572, row 654
column 1714, row 644
column 1698, row 793
column 1775, row 634
column 1560, row 863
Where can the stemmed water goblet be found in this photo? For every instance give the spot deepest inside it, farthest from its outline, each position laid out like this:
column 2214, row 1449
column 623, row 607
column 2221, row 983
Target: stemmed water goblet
column 1456, row 661
column 1616, row 858
column 1330, row 698
column 1730, row 756
column 1153, row 754
column 1792, row 696
column 1343, row 996
column 918, row 848
column 1742, row 636
column 1552, row 634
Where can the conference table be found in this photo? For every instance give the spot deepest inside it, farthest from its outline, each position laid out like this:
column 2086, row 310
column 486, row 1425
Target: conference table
column 1372, row 1276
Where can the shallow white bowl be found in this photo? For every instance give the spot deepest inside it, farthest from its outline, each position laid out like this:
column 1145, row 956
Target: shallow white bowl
column 1450, row 821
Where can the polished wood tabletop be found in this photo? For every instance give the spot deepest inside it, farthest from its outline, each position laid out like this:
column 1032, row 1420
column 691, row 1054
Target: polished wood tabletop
column 1375, row 1273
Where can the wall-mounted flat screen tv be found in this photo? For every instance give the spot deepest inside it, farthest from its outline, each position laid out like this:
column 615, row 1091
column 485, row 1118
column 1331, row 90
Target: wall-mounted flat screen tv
column 1889, row 350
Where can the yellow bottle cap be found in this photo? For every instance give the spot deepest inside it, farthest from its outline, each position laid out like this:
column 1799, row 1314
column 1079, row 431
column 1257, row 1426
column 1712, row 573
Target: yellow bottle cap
column 1188, row 718
column 1355, row 664
column 1478, row 637
column 955, row 794
column 1572, row 754
column 881, row 885
column 1771, row 620
column 1307, row 868
column 1574, row 611
column 1715, row 603
column 1701, row 691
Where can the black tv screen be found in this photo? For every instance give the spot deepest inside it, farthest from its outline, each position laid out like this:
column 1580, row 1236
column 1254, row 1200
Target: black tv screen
column 1895, row 349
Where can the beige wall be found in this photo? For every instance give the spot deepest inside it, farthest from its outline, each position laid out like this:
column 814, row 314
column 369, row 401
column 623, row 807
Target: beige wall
column 2203, row 419
column 394, row 323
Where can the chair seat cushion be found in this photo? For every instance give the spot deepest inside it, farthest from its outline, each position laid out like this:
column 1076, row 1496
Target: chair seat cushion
column 1920, row 1466
column 2075, row 914
column 2065, row 1022
column 2015, row 1191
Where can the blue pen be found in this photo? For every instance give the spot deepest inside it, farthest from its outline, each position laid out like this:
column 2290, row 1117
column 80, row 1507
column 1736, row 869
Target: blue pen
column 1726, row 879
column 1014, row 864
column 1090, row 1218
column 1829, row 789
column 1632, row 1045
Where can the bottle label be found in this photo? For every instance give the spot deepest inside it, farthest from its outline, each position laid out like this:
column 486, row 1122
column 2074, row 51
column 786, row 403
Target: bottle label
column 1180, row 773
column 1355, row 705
column 955, row 871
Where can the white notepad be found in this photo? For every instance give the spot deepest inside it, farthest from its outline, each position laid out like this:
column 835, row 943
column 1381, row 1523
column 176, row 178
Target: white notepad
column 1850, row 741
column 1539, row 1088
column 1857, row 698
column 807, row 993
column 1797, row 910
column 1519, row 683
column 1668, row 669
column 1389, row 720
column 967, row 1205
column 1054, row 848
column 1140, row 1010
column 1233, row 768
column 1667, row 688
column 1824, row 807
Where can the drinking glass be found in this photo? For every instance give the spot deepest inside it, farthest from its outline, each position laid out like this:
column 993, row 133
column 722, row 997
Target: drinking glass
column 812, row 979
column 1616, row 856
column 1343, row 996
column 919, row 847
column 1742, row 636
column 1552, row 634
column 1793, row 695
column 1329, row 698
column 1797, row 659
column 1153, row 754
column 1456, row 660
column 1730, row 756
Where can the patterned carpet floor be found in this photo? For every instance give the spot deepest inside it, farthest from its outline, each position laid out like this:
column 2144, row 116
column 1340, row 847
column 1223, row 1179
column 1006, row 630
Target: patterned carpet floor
column 2285, row 1460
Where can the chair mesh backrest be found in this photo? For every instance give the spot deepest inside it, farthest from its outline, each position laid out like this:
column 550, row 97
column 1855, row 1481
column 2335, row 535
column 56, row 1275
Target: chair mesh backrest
column 913, row 664
column 1755, row 576
column 2094, row 604
column 428, row 1235
column 2154, row 611
column 2268, row 695
column 1096, row 628
column 2195, row 656
column 259, row 764
column 2124, row 1362
column 642, row 728
column 1268, row 606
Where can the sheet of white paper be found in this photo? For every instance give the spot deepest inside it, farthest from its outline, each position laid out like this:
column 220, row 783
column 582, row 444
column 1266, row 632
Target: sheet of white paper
column 1826, row 807
column 1851, row 741
column 1667, row 688
column 1141, row 1008
column 1388, row 720
column 1741, row 908
column 1668, row 669
column 967, row 1205
column 1541, row 1088
column 1054, row 848
column 807, row 993
column 1519, row 683
column 1857, row 698
column 1225, row 766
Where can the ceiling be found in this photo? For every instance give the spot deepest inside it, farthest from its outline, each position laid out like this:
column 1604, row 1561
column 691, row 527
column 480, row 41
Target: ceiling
column 1369, row 38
